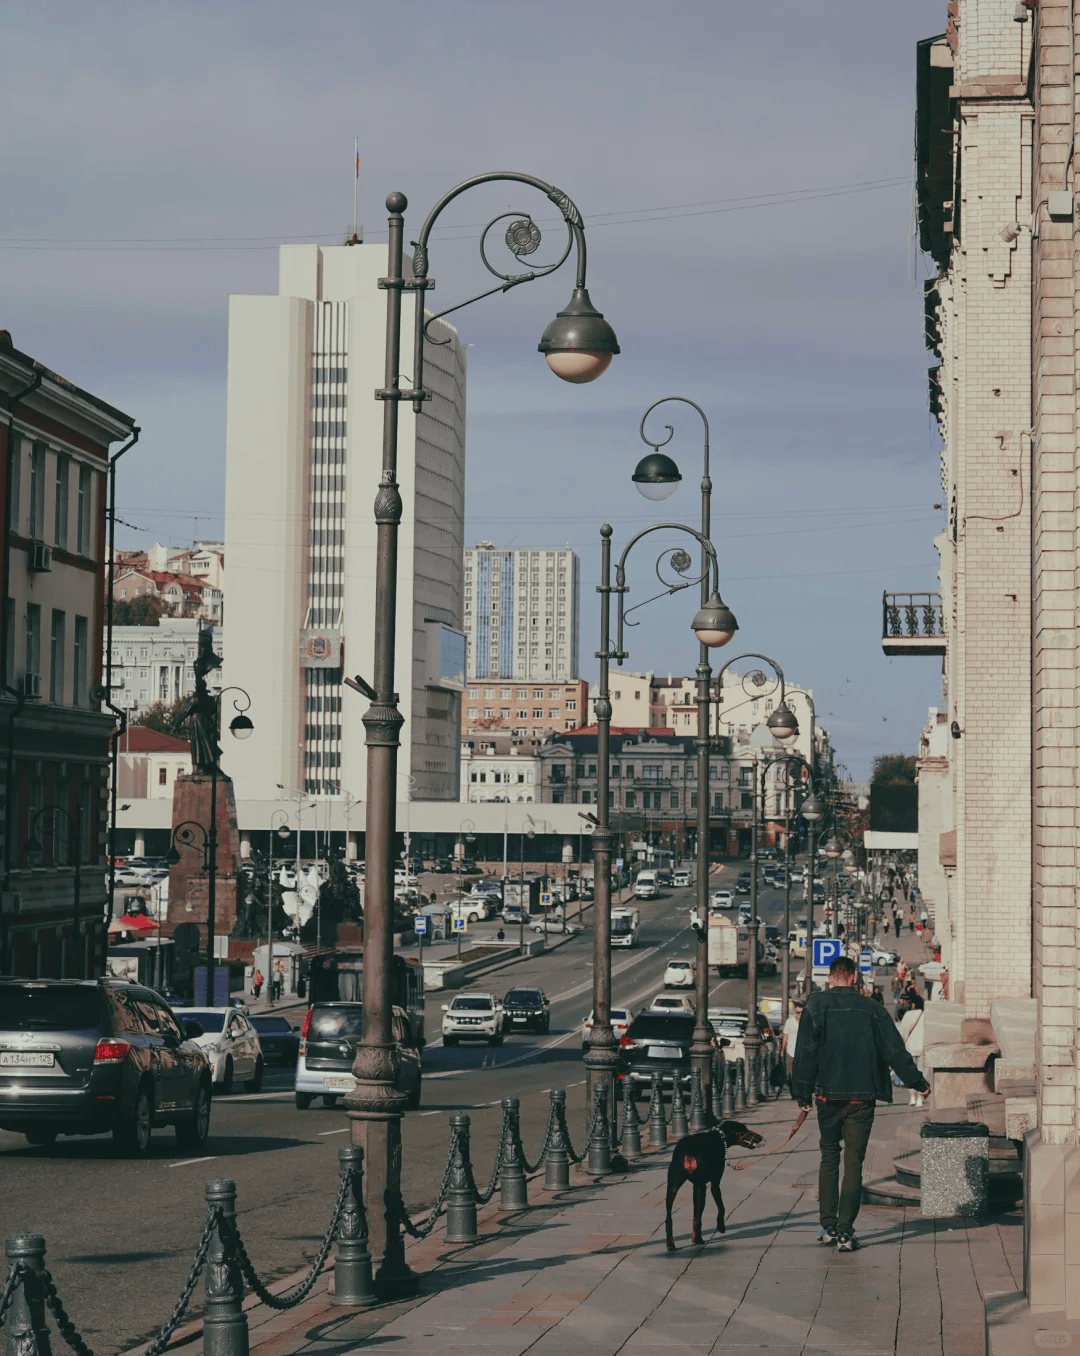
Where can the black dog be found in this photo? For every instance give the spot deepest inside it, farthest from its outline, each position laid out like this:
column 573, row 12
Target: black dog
column 702, row 1159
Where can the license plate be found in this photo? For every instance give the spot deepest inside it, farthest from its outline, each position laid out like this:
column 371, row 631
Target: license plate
column 339, row 1084
column 26, row 1059
column 664, row 1052
column 519, row 1019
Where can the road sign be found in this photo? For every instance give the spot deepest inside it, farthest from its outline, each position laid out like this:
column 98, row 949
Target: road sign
column 800, row 943
column 420, row 925
column 826, row 950
column 618, row 863
column 545, row 899
column 459, row 925
column 866, row 962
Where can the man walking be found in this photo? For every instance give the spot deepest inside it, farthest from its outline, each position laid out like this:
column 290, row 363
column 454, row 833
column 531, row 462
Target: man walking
column 847, row 1045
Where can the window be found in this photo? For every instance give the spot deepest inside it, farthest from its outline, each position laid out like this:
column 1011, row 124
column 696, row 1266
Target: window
column 80, row 656
column 522, row 715
column 693, row 800
column 474, row 692
column 592, row 770
column 504, row 693
column 631, row 800
column 747, row 800
column 538, row 692
column 489, row 692
column 82, row 544
column 163, row 776
column 489, row 712
column 673, row 800
column 15, row 463
column 718, row 802
column 522, row 693
column 504, row 713
column 37, row 490
column 57, row 645
column 553, row 715
column 33, row 638
column 629, row 772
column 60, row 501
column 472, row 712
column 537, row 714
column 746, row 776
column 586, row 798
column 652, row 772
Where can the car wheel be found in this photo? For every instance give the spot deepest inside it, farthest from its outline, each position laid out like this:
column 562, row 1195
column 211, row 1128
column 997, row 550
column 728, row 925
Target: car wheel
column 132, row 1138
column 329, row 1099
column 303, row 1101
column 255, row 1083
column 473, row 918
column 41, row 1136
column 191, row 1132
column 227, row 1078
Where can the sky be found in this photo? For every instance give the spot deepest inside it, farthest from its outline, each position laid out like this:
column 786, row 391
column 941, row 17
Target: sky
column 745, row 176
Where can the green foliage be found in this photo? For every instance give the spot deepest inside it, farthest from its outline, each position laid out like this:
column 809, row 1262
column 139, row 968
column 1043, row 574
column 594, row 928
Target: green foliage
column 894, row 769
column 145, row 610
column 168, row 717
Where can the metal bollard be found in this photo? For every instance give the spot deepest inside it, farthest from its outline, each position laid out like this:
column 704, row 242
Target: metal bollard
column 699, row 1119
column 657, row 1123
column 557, row 1168
column 26, row 1328
column 679, row 1126
column 461, row 1196
column 225, row 1326
column 352, row 1263
column 731, row 1075
column 598, row 1157
column 768, row 1063
column 716, row 1090
column 750, row 1078
column 630, row 1145
column 740, row 1085
column 513, row 1189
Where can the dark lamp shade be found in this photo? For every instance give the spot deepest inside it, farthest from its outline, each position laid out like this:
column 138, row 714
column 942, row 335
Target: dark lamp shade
column 782, row 723
column 656, row 476
column 714, row 624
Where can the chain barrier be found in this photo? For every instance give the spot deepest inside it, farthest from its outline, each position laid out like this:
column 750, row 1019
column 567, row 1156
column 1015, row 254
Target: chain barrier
column 304, row 1287
column 397, row 1207
column 544, row 1147
column 64, row 1325
column 161, row 1341
column 573, row 1157
column 482, row 1197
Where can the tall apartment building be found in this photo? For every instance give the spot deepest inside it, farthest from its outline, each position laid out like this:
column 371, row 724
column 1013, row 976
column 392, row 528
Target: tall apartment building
column 303, row 459
column 56, row 441
column 521, row 612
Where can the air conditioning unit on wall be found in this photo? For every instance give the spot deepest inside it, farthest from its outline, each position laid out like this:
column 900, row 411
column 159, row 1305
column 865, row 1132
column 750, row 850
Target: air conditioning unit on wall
column 40, row 557
column 31, row 684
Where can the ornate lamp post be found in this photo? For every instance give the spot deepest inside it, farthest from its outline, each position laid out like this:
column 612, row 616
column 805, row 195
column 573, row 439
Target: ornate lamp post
column 714, row 625
column 73, row 831
column 783, row 726
column 282, row 831
column 578, row 346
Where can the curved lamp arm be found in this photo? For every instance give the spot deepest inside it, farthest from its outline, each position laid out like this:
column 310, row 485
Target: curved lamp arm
column 781, row 721
column 679, row 560
column 522, row 238
column 658, row 467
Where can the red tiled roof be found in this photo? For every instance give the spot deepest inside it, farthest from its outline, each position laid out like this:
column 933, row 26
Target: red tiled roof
column 142, row 739
column 623, row 730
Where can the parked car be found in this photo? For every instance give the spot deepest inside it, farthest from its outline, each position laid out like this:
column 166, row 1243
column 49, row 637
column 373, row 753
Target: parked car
column 620, row 1021
column 96, row 1057
column 679, row 974
column 473, row 1016
column 232, row 1046
column 405, row 878
column 280, row 1042
column 656, row 1043
column 442, row 866
column 682, row 880
column 729, row 1024
column 722, row 899
column 672, row 1002
column 468, row 867
column 556, row 925
column 328, row 1041
column 527, row 1010
column 474, row 909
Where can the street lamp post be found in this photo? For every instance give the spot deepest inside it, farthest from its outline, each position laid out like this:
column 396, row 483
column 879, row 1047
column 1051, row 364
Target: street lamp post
column 714, row 625
column 782, row 725
column 74, row 831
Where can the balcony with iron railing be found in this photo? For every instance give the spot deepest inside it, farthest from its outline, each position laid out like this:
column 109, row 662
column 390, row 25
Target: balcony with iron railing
column 912, row 623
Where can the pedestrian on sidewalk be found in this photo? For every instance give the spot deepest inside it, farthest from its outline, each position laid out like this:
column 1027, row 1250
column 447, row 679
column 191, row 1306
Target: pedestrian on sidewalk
column 256, row 983
column 847, row 1045
column 912, row 1028
column 897, row 921
column 911, row 919
column 790, row 1037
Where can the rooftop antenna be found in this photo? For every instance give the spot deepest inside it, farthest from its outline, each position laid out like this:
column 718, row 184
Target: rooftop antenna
column 356, row 238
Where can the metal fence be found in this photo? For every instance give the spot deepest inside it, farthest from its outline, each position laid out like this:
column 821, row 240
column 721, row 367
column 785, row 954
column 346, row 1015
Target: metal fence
column 912, row 616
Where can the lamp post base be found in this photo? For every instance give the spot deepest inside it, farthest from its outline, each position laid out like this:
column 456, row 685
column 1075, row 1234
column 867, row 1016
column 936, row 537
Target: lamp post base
column 601, row 1067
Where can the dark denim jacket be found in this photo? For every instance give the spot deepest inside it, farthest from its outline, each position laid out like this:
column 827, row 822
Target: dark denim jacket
column 847, row 1044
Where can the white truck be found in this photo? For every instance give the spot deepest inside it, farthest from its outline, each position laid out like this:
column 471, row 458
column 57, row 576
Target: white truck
column 625, row 924
column 647, row 885
column 729, row 946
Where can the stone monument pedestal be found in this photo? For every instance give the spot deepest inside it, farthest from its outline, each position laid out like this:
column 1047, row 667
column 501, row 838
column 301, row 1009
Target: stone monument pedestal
column 188, row 880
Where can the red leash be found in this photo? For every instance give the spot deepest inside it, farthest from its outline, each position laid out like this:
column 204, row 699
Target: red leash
column 742, row 1163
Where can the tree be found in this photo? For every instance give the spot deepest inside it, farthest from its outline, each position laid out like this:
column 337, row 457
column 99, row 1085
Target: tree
column 145, row 610
column 894, row 769
column 168, row 717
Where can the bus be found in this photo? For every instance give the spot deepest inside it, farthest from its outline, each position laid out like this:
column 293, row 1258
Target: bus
column 338, row 976
column 625, row 925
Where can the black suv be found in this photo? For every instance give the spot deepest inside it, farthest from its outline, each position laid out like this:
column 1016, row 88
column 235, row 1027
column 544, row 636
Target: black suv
column 656, row 1042
column 86, row 1057
column 527, row 1009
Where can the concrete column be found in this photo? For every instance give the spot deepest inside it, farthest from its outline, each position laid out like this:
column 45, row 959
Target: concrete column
column 140, row 843
column 245, row 844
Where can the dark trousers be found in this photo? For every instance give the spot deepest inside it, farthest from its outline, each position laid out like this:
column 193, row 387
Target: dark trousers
column 851, row 1122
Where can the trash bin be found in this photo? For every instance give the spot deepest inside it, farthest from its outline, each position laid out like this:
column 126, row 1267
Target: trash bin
column 955, row 1172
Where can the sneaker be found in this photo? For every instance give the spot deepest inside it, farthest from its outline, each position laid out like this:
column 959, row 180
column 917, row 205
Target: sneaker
column 846, row 1242
column 826, row 1235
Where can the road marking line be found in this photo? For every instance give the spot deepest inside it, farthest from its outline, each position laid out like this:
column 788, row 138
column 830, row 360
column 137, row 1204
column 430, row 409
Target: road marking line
column 431, row 1113
column 449, row 1073
column 187, row 1162
column 344, row 1130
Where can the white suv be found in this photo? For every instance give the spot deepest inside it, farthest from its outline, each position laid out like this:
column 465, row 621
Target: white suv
column 473, row 1016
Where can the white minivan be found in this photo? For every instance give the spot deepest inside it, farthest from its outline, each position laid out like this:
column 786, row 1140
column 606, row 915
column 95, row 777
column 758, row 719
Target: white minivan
column 646, row 886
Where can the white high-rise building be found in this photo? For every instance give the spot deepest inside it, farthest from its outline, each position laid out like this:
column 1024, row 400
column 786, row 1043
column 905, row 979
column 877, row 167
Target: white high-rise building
column 521, row 612
column 303, row 464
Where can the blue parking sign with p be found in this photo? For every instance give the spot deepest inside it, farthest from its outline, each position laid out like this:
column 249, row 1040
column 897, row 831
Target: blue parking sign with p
column 420, row 925
column 458, row 924
column 826, row 950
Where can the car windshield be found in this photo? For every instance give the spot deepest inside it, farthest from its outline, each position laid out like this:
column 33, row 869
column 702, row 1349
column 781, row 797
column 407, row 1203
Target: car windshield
column 271, row 1025
column 330, row 1024
column 471, row 1005
column 678, row 965
column 209, row 1021
column 662, row 1027
column 620, row 1015
column 33, row 1007
column 522, row 998
column 729, row 1026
